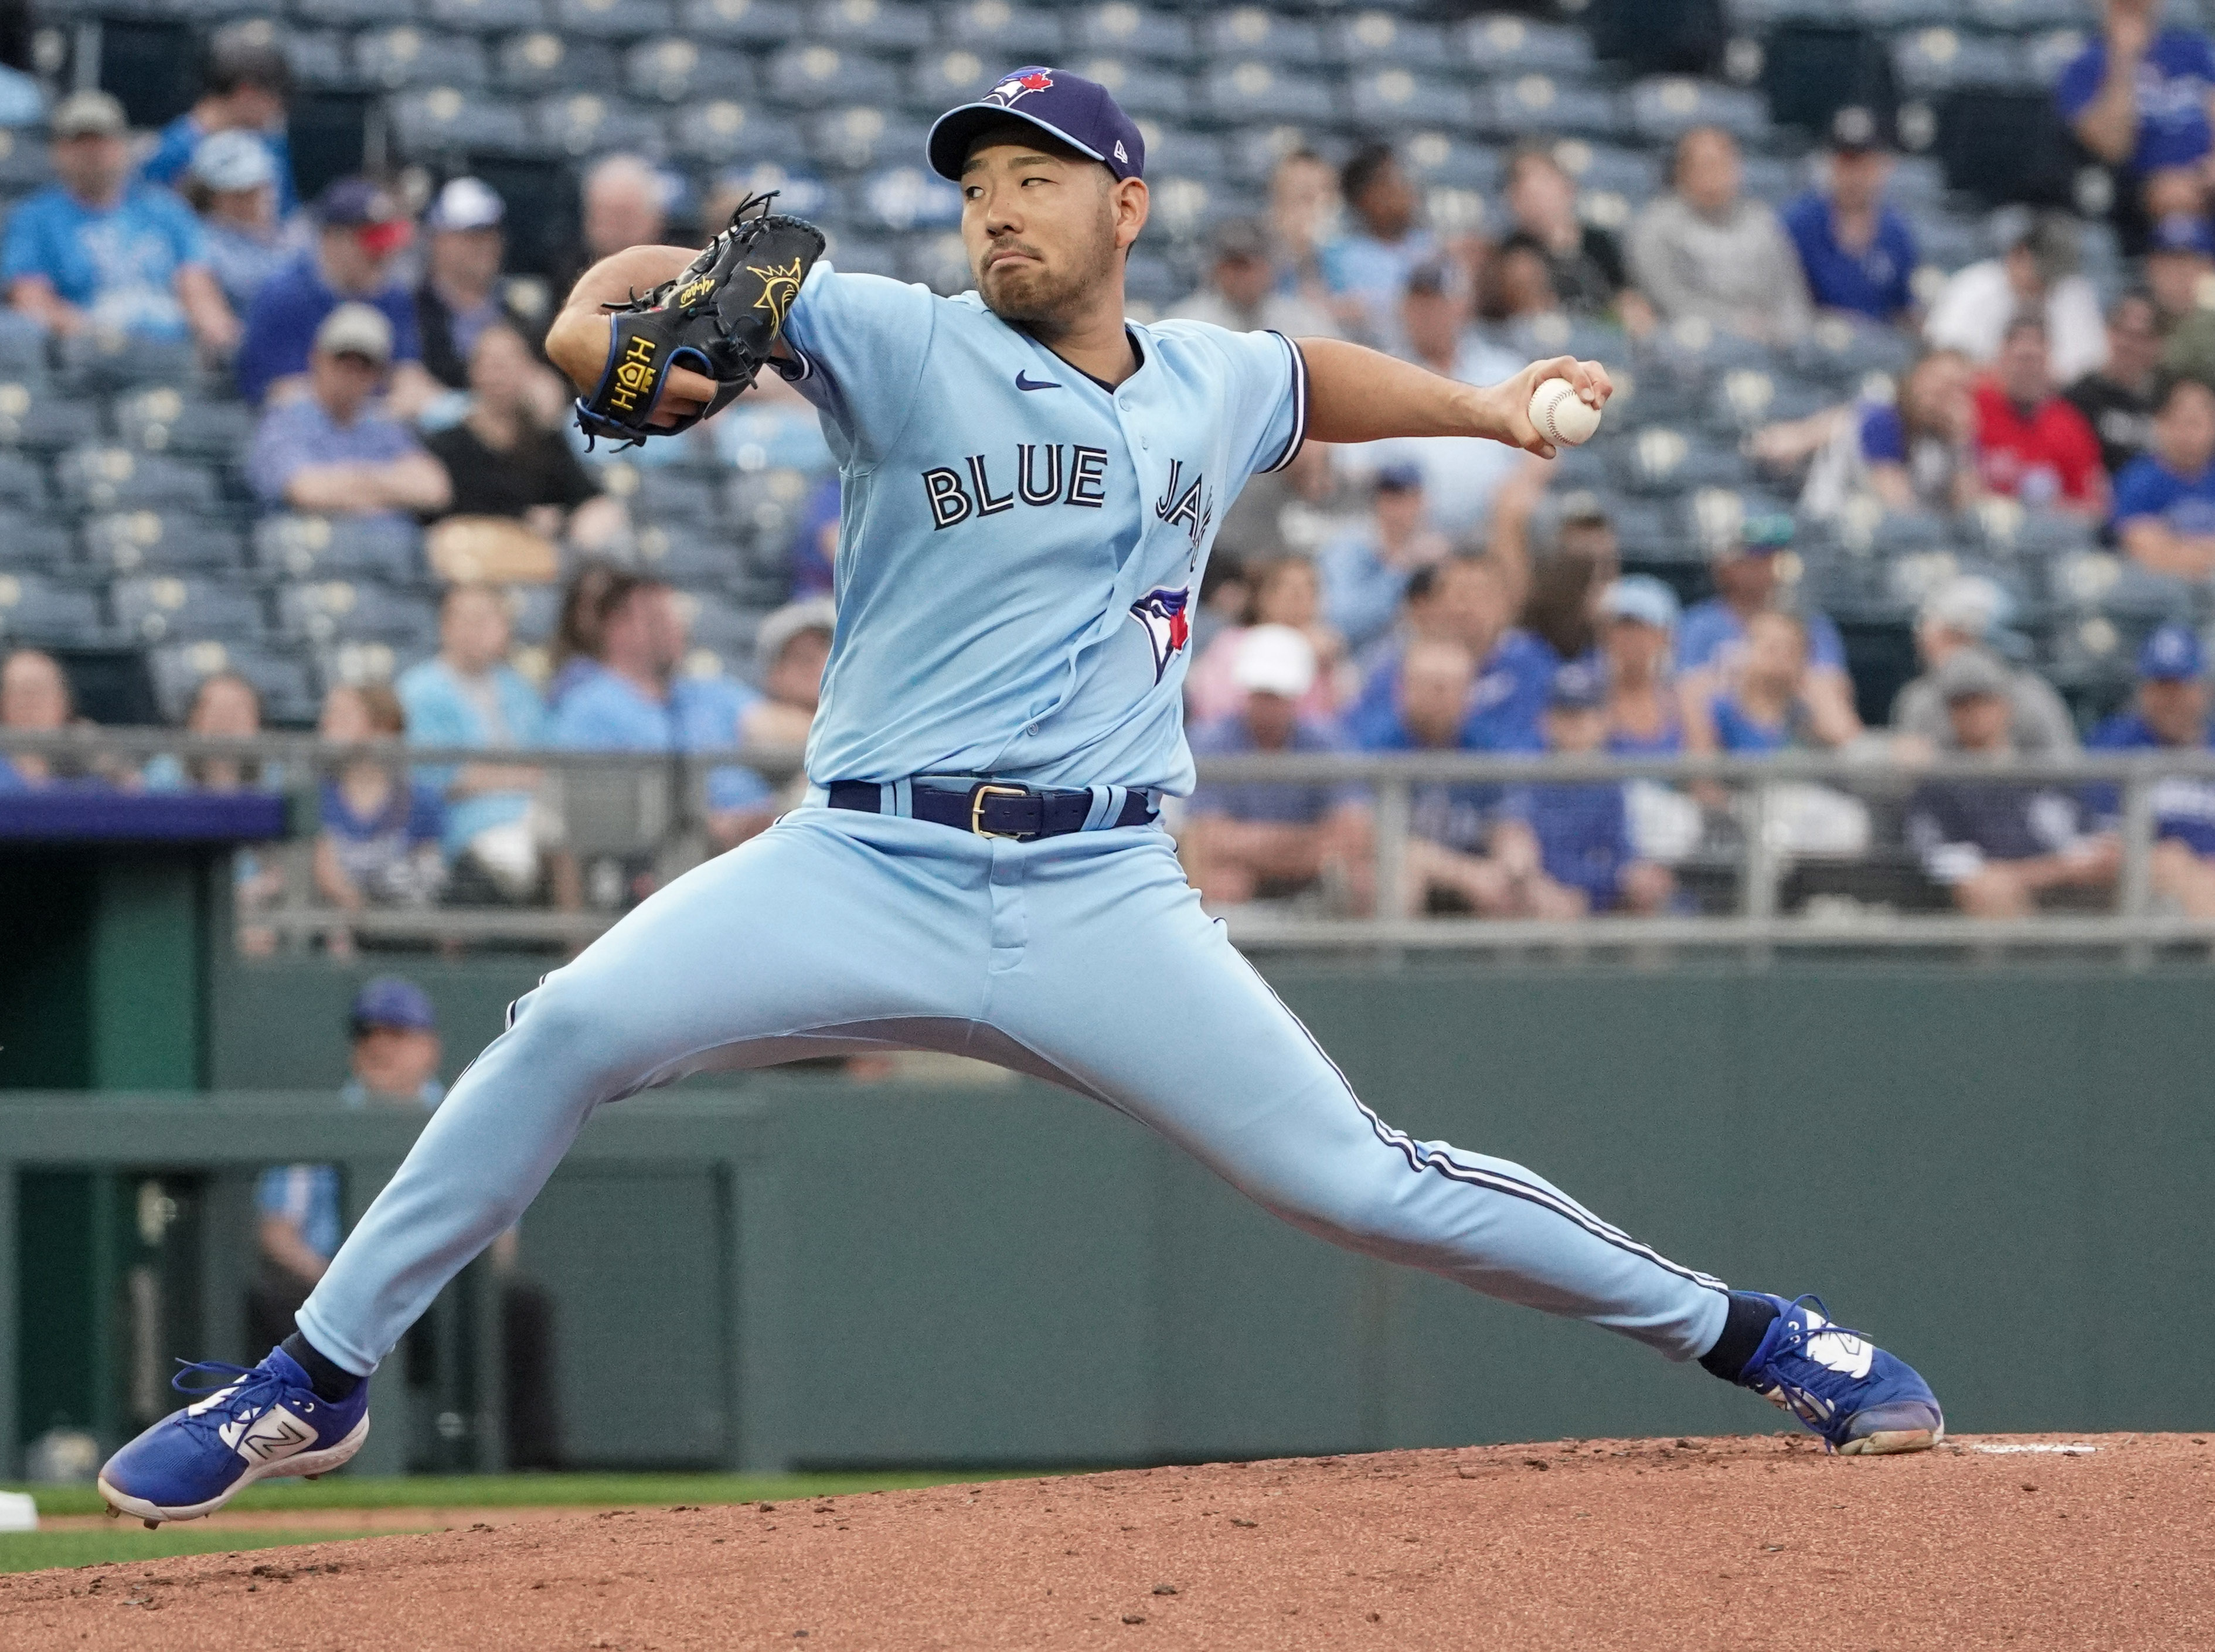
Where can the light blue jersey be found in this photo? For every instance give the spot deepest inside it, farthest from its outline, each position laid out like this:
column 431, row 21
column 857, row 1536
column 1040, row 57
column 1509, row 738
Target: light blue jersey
column 1020, row 547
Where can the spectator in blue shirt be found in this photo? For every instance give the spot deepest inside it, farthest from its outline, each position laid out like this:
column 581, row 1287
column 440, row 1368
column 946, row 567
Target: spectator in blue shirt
column 361, row 231
column 2165, row 498
column 1565, row 846
column 497, row 837
column 246, row 85
column 2137, row 97
column 1466, row 600
column 378, row 841
column 1763, row 707
column 1712, row 640
column 96, row 250
column 1858, row 253
column 34, row 698
column 2170, row 713
column 1638, row 619
column 331, row 451
column 1447, row 863
column 1365, row 570
column 232, row 186
column 1366, row 268
column 1249, row 839
column 641, row 699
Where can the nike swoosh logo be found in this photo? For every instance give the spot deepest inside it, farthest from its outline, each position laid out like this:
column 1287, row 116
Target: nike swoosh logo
column 1023, row 383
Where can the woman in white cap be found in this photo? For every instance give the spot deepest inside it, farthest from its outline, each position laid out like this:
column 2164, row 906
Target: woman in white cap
column 232, row 185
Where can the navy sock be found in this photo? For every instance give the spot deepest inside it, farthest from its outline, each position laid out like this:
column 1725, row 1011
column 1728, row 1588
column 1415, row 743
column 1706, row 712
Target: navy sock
column 328, row 1380
column 1744, row 1326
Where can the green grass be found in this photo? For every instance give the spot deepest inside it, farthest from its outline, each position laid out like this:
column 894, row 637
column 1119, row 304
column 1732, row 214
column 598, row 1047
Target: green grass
column 31, row 1552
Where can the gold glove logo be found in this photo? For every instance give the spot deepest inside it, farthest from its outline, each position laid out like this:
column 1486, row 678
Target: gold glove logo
column 780, row 286
column 693, row 291
column 633, row 376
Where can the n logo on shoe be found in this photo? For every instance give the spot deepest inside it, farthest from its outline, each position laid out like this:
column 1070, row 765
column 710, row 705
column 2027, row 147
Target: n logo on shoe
column 275, row 1434
column 1840, row 1351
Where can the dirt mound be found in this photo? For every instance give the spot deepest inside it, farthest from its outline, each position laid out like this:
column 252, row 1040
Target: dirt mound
column 1738, row 1543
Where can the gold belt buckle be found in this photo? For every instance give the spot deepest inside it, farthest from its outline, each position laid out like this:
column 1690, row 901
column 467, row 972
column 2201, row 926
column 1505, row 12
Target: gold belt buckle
column 976, row 810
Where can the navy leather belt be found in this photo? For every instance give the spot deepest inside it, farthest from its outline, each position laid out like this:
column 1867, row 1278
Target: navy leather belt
column 993, row 808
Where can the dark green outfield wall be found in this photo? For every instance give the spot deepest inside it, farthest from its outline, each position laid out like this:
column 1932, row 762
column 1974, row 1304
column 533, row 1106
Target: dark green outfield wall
column 2004, row 1172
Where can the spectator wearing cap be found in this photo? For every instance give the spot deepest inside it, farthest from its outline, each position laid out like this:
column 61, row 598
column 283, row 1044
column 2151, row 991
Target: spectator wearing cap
column 2179, row 259
column 1969, row 614
column 1704, row 250
column 2164, row 510
column 2032, row 444
column 1565, row 848
column 361, row 230
column 1712, row 640
column 332, row 451
column 2137, row 97
column 1365, row 570
column 790, row 650
column 2169, row 714
column 98, row 250
column 1366, row 267
column 1584, row 267
column 2003, row 849
column 2037, row 276
column 1283, row 590
column 1858, row 254
column 1249, row 839
column 505, row 461
column 232, row 186
column 246, row 85
column 1638, row 631
column 2117, row 400
column 464, row 292
column 1244, row 292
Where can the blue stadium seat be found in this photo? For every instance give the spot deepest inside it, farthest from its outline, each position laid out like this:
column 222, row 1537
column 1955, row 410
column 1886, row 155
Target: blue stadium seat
column 1270, row 36
column 1933, row 60
column 901, row 199
column 355, row 14
column 316, row 548
column 1184, row 151
column 767, row 504
column 25, row 162
column 321, row 60
column 444, row 119
column 582, row 123
column 659, row 493
column 1648, row 530
column 1744, row 399
column 1378, row 38
column 721, row 626
column 1253, row 151
column 1188, row 209
column 1150, row 279
column 356, row 663
column 1648, row 394
column 739, row 22
column 1007, row 36
column 940, row 262
column 409, row 56
column 23, row 482
column 726, row 133
column 1251, row 91
column 2010, row 532
column 675, row 70
column 689, row 556
column 884, row 26
column 32, row 417
column 1123, row 30
column 283, row 681
column 1560, row 334
column 1664, row 459
column 1539, row 106
column 1634, row 174
column 486, row 17
column 38, row 543
column 860, row 137
column 102, row 359
column 1665, row 106
column 126, row 543
column 168, row 607
column 22, row 348
column 1846, row 351
column 1713, row 512
column 2095, row 582
column 37, row 609
column 800, row 190
column 1892, row 16
column 613, row 20
column 1439, row 158
column 1692, row 345
column 863, row 254
column 325, row 611
column 1394, row 96
column 162, row 418
column 1142, row 89
column 2029, row 16
column 1774, row 179
column 533, row 611
column 97, row 478
column 1917, row 184
column 959, row 75
column 815, row 76
column 538, row 63
column 1507, row 45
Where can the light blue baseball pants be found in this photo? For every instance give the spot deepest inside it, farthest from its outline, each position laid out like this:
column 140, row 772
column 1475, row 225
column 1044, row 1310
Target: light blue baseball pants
column 1083, row 959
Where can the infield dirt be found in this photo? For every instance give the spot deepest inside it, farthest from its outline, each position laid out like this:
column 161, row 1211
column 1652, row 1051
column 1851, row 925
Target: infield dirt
column 1740, row 1543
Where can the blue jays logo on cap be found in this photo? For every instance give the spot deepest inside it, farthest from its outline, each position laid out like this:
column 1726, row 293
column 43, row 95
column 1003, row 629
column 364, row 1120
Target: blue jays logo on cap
column 1083, row 113
column 1019, row 85
column 1162, row 612
column 2172, row 654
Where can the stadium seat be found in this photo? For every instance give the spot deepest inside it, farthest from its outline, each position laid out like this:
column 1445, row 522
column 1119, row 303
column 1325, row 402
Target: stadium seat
column 325, row 611
column 739, row 22
column 33, row 418
column 168, row 607
column 1267, row 36
column 1561, row 334
column 1127, row 31
column 533, row 611
column 901, row 198
column 1008, row 36
column 321, row 59
column 2098, row 582
column 1507, row 45
column 408, row 56
column 659, row 493
column 583, row 123
column 540, row 63
column 1441, row 158
column 127, row 542
column 726, row 133
column 1845, row 351
column 1648, row 530
column 1250, row 91
column 1398, row 97
column 882, row 26
column 1775, row 179
column 1746, row 398
column 103, row 358
column 860, row 136
column 941, row 79
column 1893, row 15
column 314, row 547
column 1664, row 459
column 38, row 543
column 354, row 14
column 675, row 70
column 162, row 418
column 1184, row 151
column 444, row 119
column 23, row 482
column 35, row 609
column 767, row 503
column 816, row 77
column 863, row 254
column 1939, row 59
column 98, row 478
column 1142, row 89
column 1667, row 107
column 23, row 347
column 721, row 626
column 283, row 681
column 613, row 20
column 2008, row 531
column 1538, row 106
column 2028, row 17
column 25, row 162
column 940, row 262
column 1714, row 512
column 690, row 557
column 1377, row 39
column 486, row 17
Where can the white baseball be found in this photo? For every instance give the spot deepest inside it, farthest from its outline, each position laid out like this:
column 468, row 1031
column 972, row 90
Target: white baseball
column 1562, row 415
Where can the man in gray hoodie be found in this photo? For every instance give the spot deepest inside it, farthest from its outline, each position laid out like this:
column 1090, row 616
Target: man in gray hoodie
column 1704, row 250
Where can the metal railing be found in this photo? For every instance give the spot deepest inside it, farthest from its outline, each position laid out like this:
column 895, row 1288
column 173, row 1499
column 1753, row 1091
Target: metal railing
column 651, row 808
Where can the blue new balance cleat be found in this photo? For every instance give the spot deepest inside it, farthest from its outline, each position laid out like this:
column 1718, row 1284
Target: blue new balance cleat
column 1861, row 1400
column 260, row 1423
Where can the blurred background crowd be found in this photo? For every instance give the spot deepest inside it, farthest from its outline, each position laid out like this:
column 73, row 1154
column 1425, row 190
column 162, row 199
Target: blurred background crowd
column 1910, row 304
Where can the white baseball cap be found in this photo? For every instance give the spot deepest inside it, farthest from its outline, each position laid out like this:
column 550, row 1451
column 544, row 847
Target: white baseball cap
column 1275, row 659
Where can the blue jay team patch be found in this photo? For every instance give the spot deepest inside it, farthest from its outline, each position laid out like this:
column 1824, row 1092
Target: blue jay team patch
column 1162, row 612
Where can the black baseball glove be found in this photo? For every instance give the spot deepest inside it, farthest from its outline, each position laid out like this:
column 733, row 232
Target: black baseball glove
column 719, row 318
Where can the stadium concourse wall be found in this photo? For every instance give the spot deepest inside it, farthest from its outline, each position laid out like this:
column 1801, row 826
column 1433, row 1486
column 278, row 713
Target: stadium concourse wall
column 2002, row 1169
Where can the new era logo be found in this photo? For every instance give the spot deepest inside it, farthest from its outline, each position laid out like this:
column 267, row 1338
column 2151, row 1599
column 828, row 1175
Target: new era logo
column 1120, row 154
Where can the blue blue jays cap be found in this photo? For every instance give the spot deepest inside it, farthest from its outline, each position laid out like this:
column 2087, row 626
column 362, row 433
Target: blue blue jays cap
column 2172, row 654
column 2183, row 232
column 392, row 1001
column 1081, row 112
column 1577, row 686
column 1642, row 597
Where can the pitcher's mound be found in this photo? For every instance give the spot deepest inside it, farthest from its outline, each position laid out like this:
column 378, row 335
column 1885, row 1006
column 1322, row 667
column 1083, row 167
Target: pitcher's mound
column 2101, row 1542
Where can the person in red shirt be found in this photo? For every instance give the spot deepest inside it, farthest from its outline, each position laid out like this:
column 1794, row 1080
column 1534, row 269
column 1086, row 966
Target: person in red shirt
column 2031, row 443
